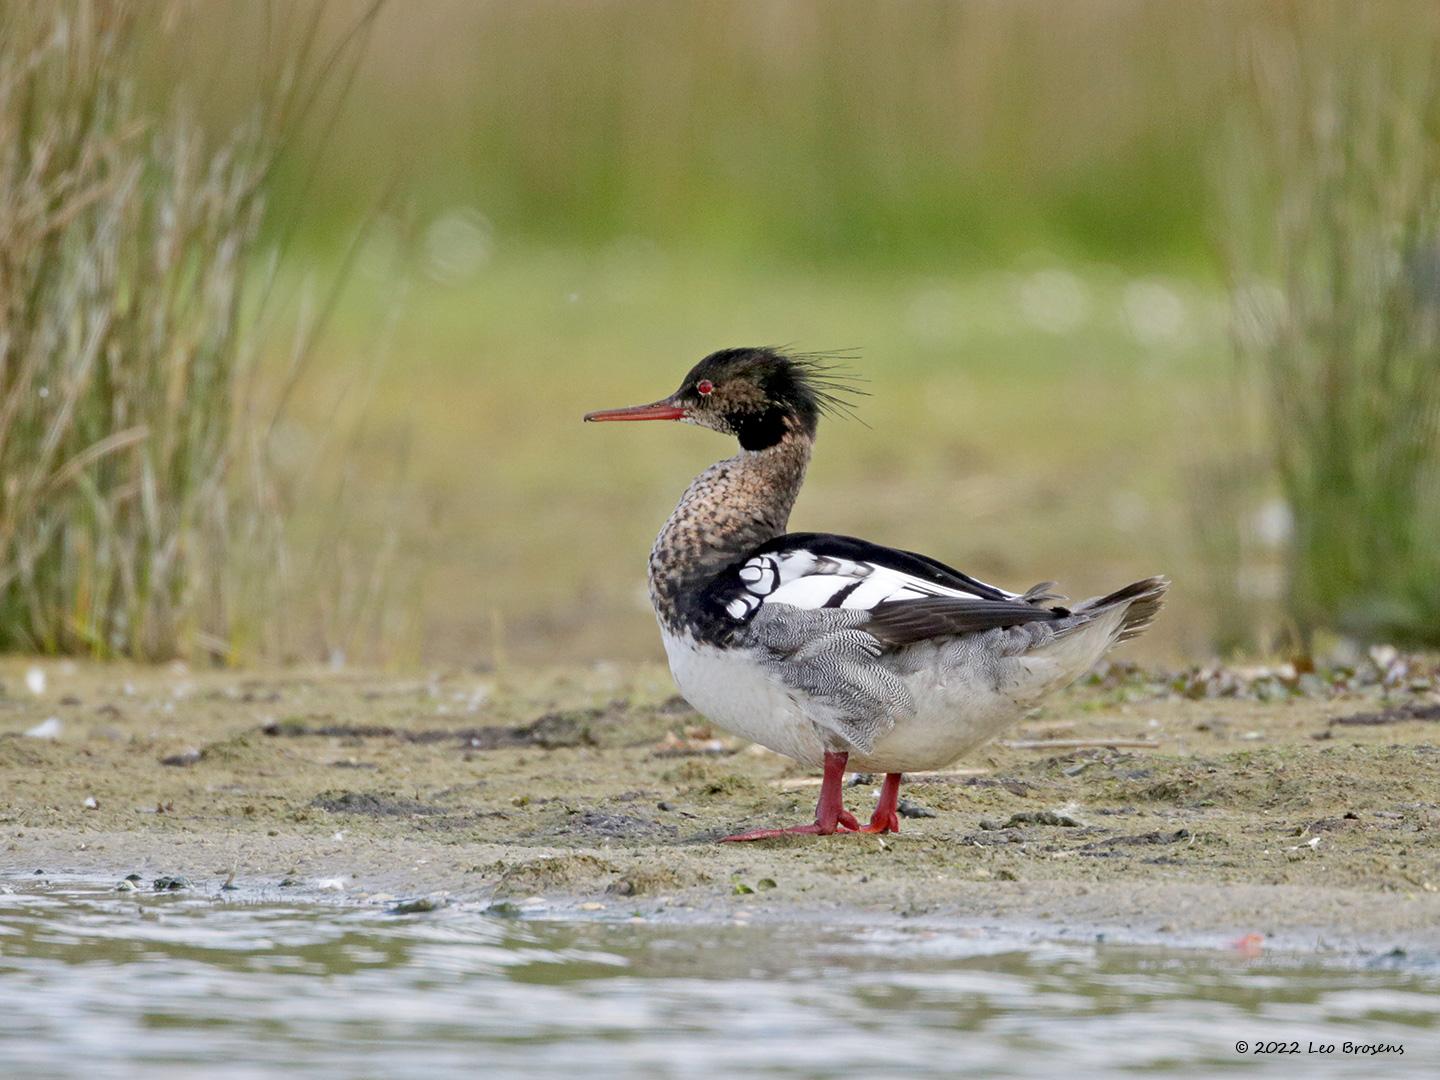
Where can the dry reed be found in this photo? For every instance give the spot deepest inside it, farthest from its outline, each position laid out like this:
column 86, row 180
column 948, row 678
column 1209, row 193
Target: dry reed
column 1333, row 238
column 139, row 514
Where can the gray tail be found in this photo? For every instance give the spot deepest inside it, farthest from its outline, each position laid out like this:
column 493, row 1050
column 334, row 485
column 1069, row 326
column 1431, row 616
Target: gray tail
column 1142, row 600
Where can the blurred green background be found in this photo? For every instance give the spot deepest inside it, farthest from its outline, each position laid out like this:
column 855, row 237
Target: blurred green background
column 1017, row 219
column 921, row 133
column 999, row 208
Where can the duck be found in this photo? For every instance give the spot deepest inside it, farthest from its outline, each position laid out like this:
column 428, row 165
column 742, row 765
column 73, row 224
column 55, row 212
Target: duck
column 837, row 652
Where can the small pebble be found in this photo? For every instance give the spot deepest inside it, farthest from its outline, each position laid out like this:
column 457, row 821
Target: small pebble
column 1039, row 817
column 417, row 906
column 46, row 729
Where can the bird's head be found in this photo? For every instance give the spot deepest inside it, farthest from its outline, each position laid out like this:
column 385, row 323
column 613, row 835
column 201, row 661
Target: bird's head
column 759, row 395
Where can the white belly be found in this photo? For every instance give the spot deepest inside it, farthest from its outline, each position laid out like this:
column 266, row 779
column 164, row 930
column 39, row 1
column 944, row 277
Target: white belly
column 964, row 697
column 955, row 712
column 731, row 690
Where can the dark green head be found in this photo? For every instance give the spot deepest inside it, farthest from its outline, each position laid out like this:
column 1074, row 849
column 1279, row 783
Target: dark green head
column 759, row 395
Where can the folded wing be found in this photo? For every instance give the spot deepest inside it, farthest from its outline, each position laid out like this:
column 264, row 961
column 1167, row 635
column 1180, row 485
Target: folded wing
column 909, row 597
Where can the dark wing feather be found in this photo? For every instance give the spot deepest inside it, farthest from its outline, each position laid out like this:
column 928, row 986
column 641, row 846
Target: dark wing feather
column 905, row 622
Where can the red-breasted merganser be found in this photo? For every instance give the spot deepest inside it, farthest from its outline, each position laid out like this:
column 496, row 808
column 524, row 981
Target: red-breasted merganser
column 831, row 650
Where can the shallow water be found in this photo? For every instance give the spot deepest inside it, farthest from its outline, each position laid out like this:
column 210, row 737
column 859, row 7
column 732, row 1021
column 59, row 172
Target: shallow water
column 100, row 984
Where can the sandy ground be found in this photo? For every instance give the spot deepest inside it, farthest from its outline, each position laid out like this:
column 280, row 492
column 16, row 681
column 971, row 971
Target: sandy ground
column 1121, row 809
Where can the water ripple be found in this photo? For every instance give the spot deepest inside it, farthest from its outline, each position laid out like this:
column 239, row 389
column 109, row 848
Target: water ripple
column 99, row 986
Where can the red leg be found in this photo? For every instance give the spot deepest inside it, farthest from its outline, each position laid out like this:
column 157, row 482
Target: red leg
column 887, row 815
column 830, row 812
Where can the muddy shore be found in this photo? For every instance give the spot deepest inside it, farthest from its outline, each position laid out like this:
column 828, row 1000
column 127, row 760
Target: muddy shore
column 1128, row 808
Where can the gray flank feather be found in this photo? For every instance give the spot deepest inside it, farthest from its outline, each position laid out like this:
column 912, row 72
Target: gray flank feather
column 826, row 656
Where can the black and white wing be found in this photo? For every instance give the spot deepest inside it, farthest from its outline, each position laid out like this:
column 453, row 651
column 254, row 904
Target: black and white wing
column 908, row 597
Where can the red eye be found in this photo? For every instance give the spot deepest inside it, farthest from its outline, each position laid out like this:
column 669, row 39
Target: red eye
column 703, row 387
